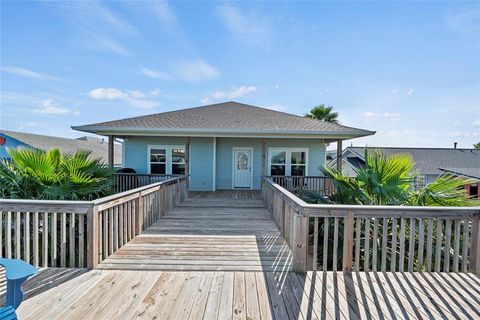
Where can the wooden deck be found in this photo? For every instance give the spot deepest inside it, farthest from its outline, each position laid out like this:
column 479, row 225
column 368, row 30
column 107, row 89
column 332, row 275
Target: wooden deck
column 221, row 231
column 108, row 294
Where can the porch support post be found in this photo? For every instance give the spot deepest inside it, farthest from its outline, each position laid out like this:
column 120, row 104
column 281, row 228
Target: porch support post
column 111, row 151
column 264, row 162
column 187, row 157
column 339, row 155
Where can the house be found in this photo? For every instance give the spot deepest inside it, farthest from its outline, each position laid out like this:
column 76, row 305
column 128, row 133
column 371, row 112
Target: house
column 226, row 145
column 98, row 147
column 430, row 163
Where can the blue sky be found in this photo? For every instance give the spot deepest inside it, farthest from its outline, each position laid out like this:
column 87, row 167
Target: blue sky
column 409, row 70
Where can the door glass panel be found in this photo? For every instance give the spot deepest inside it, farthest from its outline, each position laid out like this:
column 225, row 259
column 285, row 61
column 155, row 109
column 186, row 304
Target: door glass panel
column 158, row 168
column 242, row 161
column 279, row 157
column 277, row 170
column 298, row 170
column 298, row 157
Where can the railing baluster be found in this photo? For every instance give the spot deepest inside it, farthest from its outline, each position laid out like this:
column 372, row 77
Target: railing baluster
column 315, row 243
column 401, row 260
column 421, row 242
column 71, row 240
column 393, row 258
column 358, row 227
column 375, row 245
column 448, row 243
column 366, row 264
column 383, row 266
column 465, row 255
column 8, row 235
column 411, row 244
column 335, row 244
column 53, row 254
column 45, row 239
column 18, row 235
column 429, row 244
column 36, row 261
column 63, row 240
column 456, row 245
column 438, row 245
column 326, row 227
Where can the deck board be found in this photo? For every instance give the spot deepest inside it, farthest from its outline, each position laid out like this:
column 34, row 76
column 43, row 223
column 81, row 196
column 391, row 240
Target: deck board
column 113, row 294
column 216, row 231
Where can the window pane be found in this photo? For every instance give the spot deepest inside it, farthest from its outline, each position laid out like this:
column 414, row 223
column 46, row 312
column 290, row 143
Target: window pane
column 178, row 155
column 242, row 161
column 278, row 157
column 277, row 170
column 158, row 155
column 298, row 158
column 157, row 158
column 178, row 169
column 157, row 168
column 298, row 170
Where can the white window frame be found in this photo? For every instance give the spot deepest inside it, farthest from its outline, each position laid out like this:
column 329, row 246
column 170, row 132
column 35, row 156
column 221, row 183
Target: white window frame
column 288, row 159
column 168, row 155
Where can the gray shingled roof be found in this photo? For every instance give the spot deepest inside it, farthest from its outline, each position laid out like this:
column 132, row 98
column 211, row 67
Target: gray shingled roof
column 465, row 172
column 227, row 117
column 434, row 160
column 98, row 147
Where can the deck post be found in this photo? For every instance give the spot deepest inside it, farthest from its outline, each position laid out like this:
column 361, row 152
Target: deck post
column 92, row 237
column 111, row 151
column 348, row 242
column 300, row 234
column 339, row 155
column 475, row 247
column 138, row 214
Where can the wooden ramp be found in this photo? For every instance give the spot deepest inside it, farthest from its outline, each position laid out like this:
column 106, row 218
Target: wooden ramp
column 208, row 232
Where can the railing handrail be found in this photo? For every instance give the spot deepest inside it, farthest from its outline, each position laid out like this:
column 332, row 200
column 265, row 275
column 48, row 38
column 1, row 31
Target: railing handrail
column 136, row 190
column 309, row 207
column 14, row 204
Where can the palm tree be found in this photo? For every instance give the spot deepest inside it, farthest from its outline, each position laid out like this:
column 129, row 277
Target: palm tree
column 323, row 113
column 476, row 145
column 37, row 174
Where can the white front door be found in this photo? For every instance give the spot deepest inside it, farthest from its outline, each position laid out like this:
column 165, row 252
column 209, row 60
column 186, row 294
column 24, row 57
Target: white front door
column 242, row 168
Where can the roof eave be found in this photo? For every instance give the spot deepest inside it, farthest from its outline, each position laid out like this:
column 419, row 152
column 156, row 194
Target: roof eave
column 134, row 131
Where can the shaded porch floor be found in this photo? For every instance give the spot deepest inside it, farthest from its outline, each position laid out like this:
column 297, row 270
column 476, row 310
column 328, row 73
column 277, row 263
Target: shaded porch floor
column 107, row 294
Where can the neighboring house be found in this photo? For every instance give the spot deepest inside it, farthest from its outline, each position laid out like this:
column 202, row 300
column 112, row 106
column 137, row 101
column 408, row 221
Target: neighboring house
column 429, row 162
column 224, row 146
column 98, row 147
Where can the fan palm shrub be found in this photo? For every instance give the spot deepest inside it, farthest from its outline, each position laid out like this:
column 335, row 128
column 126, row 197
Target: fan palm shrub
column 51, row 175
column 388, row 180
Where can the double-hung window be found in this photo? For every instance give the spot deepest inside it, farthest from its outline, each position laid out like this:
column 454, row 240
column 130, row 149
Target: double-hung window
column 287, row 162
column 166, row 159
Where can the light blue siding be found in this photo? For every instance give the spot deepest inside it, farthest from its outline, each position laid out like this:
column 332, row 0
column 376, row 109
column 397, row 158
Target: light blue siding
column 201, row 164
column 10, row 143
column 202, row 160
column 316, row 157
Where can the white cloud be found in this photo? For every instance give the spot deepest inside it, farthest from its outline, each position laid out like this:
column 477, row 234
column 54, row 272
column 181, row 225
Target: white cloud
column 162, row 10
column 250, row 28
column 372, row 116
column 476, row 122
column 50, row 106
column 155, row 92
column 195, row 71
column 466, row 20
column 25, row 72
column 233, row 93
column 394, row 91
column 111, row 45
column 410, row 92
column 134, row 98
column 107, row 94
column 154, row 74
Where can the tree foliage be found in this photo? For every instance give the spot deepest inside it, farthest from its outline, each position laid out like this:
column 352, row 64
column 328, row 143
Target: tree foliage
column 323, row 113
column 51, row 175
column 476, row 145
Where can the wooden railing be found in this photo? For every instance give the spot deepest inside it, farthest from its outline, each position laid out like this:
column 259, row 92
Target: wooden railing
column 298, row 184
column 128, row 181
column 371, row 238
column 82, row 233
